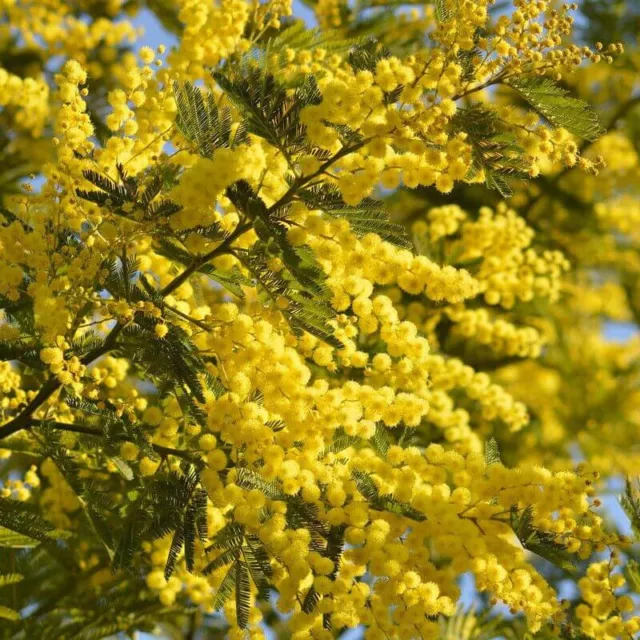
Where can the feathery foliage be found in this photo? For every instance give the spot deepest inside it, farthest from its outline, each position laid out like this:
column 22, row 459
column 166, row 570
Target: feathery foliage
column 555, row 105
column 202, row 123
column 542, row 543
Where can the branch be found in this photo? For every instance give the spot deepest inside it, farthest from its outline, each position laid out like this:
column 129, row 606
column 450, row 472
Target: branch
column 301, row 181
column 188, row 318
column 23, row 421
column 202, row 260
column 96, row 433
column 241, row 229
column 485, row 85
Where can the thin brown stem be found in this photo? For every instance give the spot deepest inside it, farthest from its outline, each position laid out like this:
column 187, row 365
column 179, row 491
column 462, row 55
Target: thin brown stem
column 202, row 260
column 497, row 79
column 23, row 421
column 97, row 433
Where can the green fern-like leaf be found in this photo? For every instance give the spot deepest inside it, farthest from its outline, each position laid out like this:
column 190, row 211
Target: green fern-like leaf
column 335, row 546
column 162, row 209
column 366, row 486
column 22, row 349
column 632, row 575
column 109, row 190
column 340, row 443
column 22, row 519
column 10, row 578
column 630, row 502
column 83, row 490
column 8, row 217
column 271, row 227
column 177, row 543
column 368, row 216
column 232, row 280
column 311, row 599
column 495, row 152
column 115, row 194
column 12, row 540
column 214, row 384
column 301, row 514
column 9, row 614
column 542, row 543
column 271, row 111
column 492, row 452
column 368, row 489
column 171, row 359
column 272, row 56
column 555, row 105
column 304, row 311
column 85, row 343
column 172, row 504
column 213, row 232
column 249, row 479
column 445, row 10
column 225, row 558
column 257, row 560
column 131, row 538
column 299, row 38
column 381, row 440
column 225, row 590
column 306, row 314
column 243, row 595
column 202, row 123
column 229, row 537
column 389, row 503
column 271, row 53
column 467, row 625
column 365, row 56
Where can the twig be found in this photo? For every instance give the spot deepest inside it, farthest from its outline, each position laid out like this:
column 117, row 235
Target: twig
column 97, row 433
column 202, row 260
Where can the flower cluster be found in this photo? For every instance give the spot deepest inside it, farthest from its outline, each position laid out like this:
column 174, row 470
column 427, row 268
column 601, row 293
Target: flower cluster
column 28, row 97
column 227, row 372
column 603, row 613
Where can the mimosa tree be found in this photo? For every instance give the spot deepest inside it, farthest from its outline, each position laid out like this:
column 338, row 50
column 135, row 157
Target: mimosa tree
column 302, row 325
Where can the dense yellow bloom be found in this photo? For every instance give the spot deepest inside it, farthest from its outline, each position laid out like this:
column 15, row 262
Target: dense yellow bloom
column 603, row 613
column 226, row 372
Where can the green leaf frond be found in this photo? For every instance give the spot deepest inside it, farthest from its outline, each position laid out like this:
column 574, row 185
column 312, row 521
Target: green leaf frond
column 269, row 109
column 542, row 543
column 495, row 153
column 554, row 104
column 630, row 502
column 367, row 217
column 202, row 123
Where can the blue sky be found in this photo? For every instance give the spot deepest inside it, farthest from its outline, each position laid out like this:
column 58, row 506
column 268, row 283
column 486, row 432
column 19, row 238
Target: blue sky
column 154, row 34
